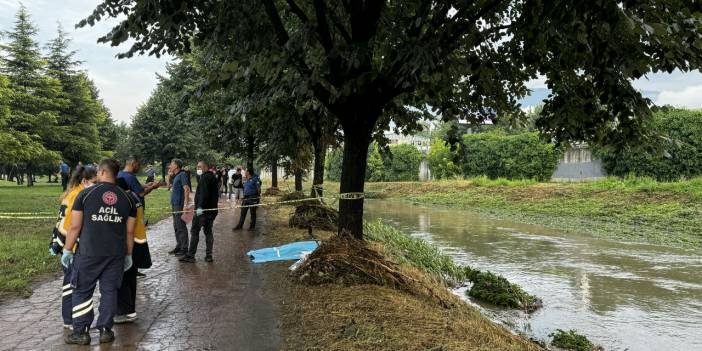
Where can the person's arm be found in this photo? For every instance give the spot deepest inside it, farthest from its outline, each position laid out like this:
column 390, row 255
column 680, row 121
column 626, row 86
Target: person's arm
column 74, row 232
column 131, row 224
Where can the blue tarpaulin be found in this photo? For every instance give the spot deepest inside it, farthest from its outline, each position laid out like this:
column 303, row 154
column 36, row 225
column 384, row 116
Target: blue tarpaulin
column 292, row 251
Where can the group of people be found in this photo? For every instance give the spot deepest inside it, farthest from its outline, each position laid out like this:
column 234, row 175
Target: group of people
column 230, row 181
column 101, row 234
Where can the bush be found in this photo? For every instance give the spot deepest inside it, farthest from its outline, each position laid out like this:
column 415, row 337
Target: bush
column 678, row 155
column 441, row 161
column 521, row 156
column 403, row 163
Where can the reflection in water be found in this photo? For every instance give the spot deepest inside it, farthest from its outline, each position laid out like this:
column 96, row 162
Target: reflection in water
column 622, row 295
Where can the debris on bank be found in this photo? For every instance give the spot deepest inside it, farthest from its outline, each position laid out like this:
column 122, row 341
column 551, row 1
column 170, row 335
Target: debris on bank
column 295, row 195
column 497, row 290
column 314, row 215
column 273, row 191
column 571, row 340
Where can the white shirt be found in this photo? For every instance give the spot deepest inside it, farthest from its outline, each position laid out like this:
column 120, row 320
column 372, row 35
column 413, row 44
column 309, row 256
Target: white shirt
column 231, row 174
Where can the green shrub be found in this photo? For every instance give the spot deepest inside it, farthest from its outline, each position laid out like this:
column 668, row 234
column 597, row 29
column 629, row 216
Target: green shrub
column 521, row 156
column 441, row 161
column 677, row 155
column 571, row 340
column 403, row 163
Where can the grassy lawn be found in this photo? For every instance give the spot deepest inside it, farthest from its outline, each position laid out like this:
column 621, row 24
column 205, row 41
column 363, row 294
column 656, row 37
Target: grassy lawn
column 633, row 209
column 24, row 243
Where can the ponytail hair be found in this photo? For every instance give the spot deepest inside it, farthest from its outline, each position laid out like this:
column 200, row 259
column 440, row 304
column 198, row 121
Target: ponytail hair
column 79, row 174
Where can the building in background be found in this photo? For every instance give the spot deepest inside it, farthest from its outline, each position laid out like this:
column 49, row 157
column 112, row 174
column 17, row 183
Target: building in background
column 578, row 164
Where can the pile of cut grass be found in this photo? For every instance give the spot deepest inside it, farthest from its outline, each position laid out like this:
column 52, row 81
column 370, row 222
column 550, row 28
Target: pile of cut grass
column 571, row 340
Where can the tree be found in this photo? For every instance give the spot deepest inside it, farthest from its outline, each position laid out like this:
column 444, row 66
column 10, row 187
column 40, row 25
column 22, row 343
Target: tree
column 368, row 60
column 35, row 101
column 442, row 160
column 402, row 163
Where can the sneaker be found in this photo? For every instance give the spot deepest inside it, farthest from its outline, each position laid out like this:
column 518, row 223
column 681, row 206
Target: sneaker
column 68, row 326
column 208, row 258
column 106, row 335
column 139, row 274
column 78, row 337
column 188, row 259
column 174, row 251
column 125, row 318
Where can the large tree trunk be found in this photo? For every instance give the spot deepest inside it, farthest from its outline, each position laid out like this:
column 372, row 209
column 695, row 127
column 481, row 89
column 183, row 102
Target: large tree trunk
column 320, row 154
column 30, row 178
column 353, row 173
column 274, row 173
column 298, row 179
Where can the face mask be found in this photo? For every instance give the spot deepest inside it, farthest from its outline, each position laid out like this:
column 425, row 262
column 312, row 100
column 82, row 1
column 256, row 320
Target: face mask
column 199, row 172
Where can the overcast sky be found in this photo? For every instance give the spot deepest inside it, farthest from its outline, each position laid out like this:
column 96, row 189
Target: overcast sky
column 127, row 83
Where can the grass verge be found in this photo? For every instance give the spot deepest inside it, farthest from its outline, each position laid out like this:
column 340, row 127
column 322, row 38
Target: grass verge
column 24, row 243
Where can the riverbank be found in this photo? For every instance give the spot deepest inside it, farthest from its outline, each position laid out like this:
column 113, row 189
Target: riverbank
column 367, row 316
column 24, row 243
column 633, row 209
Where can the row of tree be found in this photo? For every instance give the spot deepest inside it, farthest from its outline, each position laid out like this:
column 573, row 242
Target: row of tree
column 271, row 70
column 49, row 109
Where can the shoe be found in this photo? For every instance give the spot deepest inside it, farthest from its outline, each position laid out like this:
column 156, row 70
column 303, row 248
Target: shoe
column 78, row 337
column 188, row 259
column 139, row 274
column 253, row 227
column 68, row 326
column 125, row 318
column 181, row 253
column 173, row 252
column 208, row 258
column 106, row 335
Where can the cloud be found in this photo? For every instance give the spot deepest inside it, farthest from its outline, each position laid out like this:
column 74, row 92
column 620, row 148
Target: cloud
column 690, row 97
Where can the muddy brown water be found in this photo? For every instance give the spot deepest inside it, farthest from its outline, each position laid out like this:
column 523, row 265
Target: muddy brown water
column 623, row 296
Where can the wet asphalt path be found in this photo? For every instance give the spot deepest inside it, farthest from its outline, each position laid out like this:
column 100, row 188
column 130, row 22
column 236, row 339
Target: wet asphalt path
column 180, row 306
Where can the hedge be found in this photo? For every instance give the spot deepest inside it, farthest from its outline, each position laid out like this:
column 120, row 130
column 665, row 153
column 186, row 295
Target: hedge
column 677, row 155
column 514, row 156
column 402, row 164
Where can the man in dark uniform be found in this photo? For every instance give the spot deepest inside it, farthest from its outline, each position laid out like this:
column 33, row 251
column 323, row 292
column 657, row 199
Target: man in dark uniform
column 252, row 194
column 206, row 197
column 104, row 217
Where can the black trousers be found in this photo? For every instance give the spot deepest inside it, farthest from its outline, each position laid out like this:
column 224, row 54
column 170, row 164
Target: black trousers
column 87, row 271
column 67, row 296
column 249, row 200
column 126, row 295
column 199, row 222
column 64, row 181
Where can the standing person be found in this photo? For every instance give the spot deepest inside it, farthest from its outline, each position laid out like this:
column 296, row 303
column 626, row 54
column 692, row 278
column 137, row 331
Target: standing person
column 63, row 170
column 219, row 177
column 83, row 177
column 225, row 180
column 150, row 174
column 252, row 193
column 230, row 182
column 103, row 218
column 131, row 168
column 206, row 197
column 238, row 186
column 141, row 258
column 180, row 200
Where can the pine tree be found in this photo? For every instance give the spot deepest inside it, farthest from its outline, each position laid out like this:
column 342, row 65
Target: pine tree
column 35, row 99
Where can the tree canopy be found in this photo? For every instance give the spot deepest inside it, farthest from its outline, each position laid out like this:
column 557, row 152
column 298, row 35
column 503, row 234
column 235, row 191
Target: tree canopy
column 366, row 62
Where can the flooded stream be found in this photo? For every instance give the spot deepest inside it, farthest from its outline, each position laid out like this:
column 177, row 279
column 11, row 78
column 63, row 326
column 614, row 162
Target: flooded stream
column 621, row 295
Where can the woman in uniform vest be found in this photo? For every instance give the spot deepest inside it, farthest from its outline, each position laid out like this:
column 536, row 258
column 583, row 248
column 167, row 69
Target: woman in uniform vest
column 141, row 258
column 83, row 177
